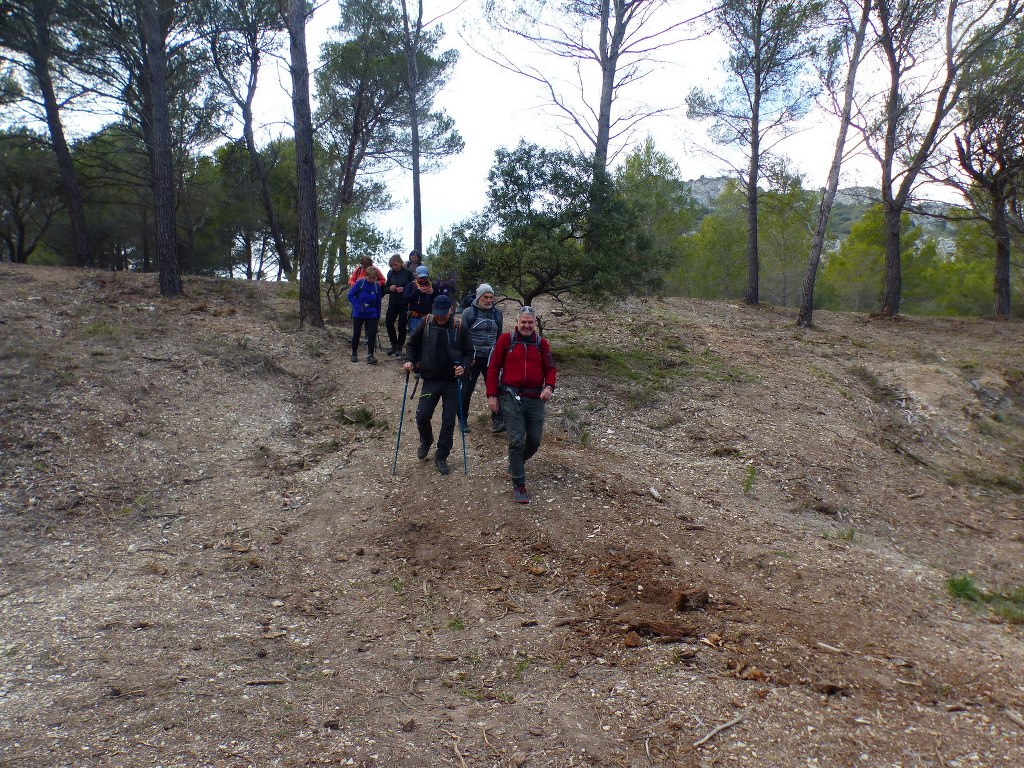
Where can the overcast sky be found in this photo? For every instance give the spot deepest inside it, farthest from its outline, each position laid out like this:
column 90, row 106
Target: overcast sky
column 494, row 108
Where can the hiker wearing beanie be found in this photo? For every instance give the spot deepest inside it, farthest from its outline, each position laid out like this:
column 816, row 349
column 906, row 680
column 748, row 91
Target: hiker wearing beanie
column 483, row 321
column 520, row 381
column 438, row 350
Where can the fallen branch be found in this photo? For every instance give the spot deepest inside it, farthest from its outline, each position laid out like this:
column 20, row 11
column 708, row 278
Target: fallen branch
column 831, row 648
column 913, row 683
column 271, row 681
column 1014, row 716
column 717, row 730
column 902, row 449
column 455, row 746
column 965, row 524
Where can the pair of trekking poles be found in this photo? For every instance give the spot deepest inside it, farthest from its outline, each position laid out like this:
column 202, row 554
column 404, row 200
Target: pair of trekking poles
column 401, row 420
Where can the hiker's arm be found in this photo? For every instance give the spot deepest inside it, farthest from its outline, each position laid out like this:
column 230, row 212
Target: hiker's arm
column 494, row 368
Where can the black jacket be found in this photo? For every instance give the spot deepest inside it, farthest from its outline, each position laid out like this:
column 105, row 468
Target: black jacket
column 435, row 350
column 400, row 277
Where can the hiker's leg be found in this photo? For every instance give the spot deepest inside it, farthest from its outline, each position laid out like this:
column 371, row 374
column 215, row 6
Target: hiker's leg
column 533, row 408
column 357, row 330
column 429, row 394
column 515, row 423
column 371, row 336
column 468, row 385
column 403, row 322
column 449, row 413
column 394, row 310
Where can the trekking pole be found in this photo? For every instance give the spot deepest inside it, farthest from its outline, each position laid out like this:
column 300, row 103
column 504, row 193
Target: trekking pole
column 401, row 419
column 462, row 428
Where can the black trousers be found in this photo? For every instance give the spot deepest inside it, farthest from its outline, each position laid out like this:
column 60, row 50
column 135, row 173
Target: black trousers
column 370, row 323
column 447, row 393
column 398, row 315
column 474, row 372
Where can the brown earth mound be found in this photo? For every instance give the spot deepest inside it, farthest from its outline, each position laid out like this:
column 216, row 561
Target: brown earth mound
column 737, row 551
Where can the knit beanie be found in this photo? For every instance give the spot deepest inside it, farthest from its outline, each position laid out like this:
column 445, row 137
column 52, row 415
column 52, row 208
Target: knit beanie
column 484, row 288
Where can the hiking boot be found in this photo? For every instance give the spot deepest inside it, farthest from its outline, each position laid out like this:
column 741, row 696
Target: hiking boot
column 520, row 494
column 442, row 465
column 355, row 358
column 422, row 452
column 392, row 352
column 497, row 426
column 371, row 360
column 466, row 429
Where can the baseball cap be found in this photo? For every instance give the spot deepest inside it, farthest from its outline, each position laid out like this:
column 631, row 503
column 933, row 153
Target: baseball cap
column 422, row 271
column 442, row 305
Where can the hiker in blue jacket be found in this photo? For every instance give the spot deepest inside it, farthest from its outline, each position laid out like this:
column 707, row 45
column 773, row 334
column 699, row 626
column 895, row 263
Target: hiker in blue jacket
column 365, row 298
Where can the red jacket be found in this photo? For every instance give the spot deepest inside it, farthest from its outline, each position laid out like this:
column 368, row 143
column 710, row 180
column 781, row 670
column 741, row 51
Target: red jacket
column 526, row 366
column 359, row 272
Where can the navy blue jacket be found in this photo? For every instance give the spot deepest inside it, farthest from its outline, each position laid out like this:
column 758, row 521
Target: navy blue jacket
column 421, row 304
column 365, row 297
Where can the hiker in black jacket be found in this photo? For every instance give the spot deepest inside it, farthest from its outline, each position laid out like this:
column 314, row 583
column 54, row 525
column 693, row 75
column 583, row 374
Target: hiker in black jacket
column 399, row 276
column 438, row 350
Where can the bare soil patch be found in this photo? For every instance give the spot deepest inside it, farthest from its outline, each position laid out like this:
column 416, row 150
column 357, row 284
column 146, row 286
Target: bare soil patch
column 206, row 561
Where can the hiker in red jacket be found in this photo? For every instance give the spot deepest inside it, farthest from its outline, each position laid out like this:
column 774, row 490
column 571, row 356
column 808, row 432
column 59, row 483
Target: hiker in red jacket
column 360, row 272
column 522, row 375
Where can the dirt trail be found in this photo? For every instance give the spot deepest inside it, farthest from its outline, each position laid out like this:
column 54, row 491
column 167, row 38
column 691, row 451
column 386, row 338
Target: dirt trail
column 205, row 559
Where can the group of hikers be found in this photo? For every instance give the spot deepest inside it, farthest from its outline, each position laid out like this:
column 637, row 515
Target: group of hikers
column 449, row 353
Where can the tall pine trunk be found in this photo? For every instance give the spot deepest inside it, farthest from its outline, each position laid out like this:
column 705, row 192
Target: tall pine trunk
column 264, row 185
column 307, row 251
column 752, row 295
column 165, row 228
column 1001, row 232
column 893, row 268
column 71, row 192
column 828, row 197
column 412, row 85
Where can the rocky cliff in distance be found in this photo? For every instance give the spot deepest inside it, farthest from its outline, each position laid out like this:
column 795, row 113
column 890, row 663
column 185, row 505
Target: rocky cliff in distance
column 850, row 205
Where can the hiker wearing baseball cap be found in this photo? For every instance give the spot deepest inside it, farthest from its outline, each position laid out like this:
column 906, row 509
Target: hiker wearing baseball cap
column 419, row 297
column 438, row 350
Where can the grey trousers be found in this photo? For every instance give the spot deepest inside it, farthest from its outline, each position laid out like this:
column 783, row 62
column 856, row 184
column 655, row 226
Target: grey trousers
column 524, row 420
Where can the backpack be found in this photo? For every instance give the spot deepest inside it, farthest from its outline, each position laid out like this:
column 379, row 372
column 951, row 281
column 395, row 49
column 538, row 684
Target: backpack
column 361, row 291
column 467, row 301
column 515, row 338
column 452, row 333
